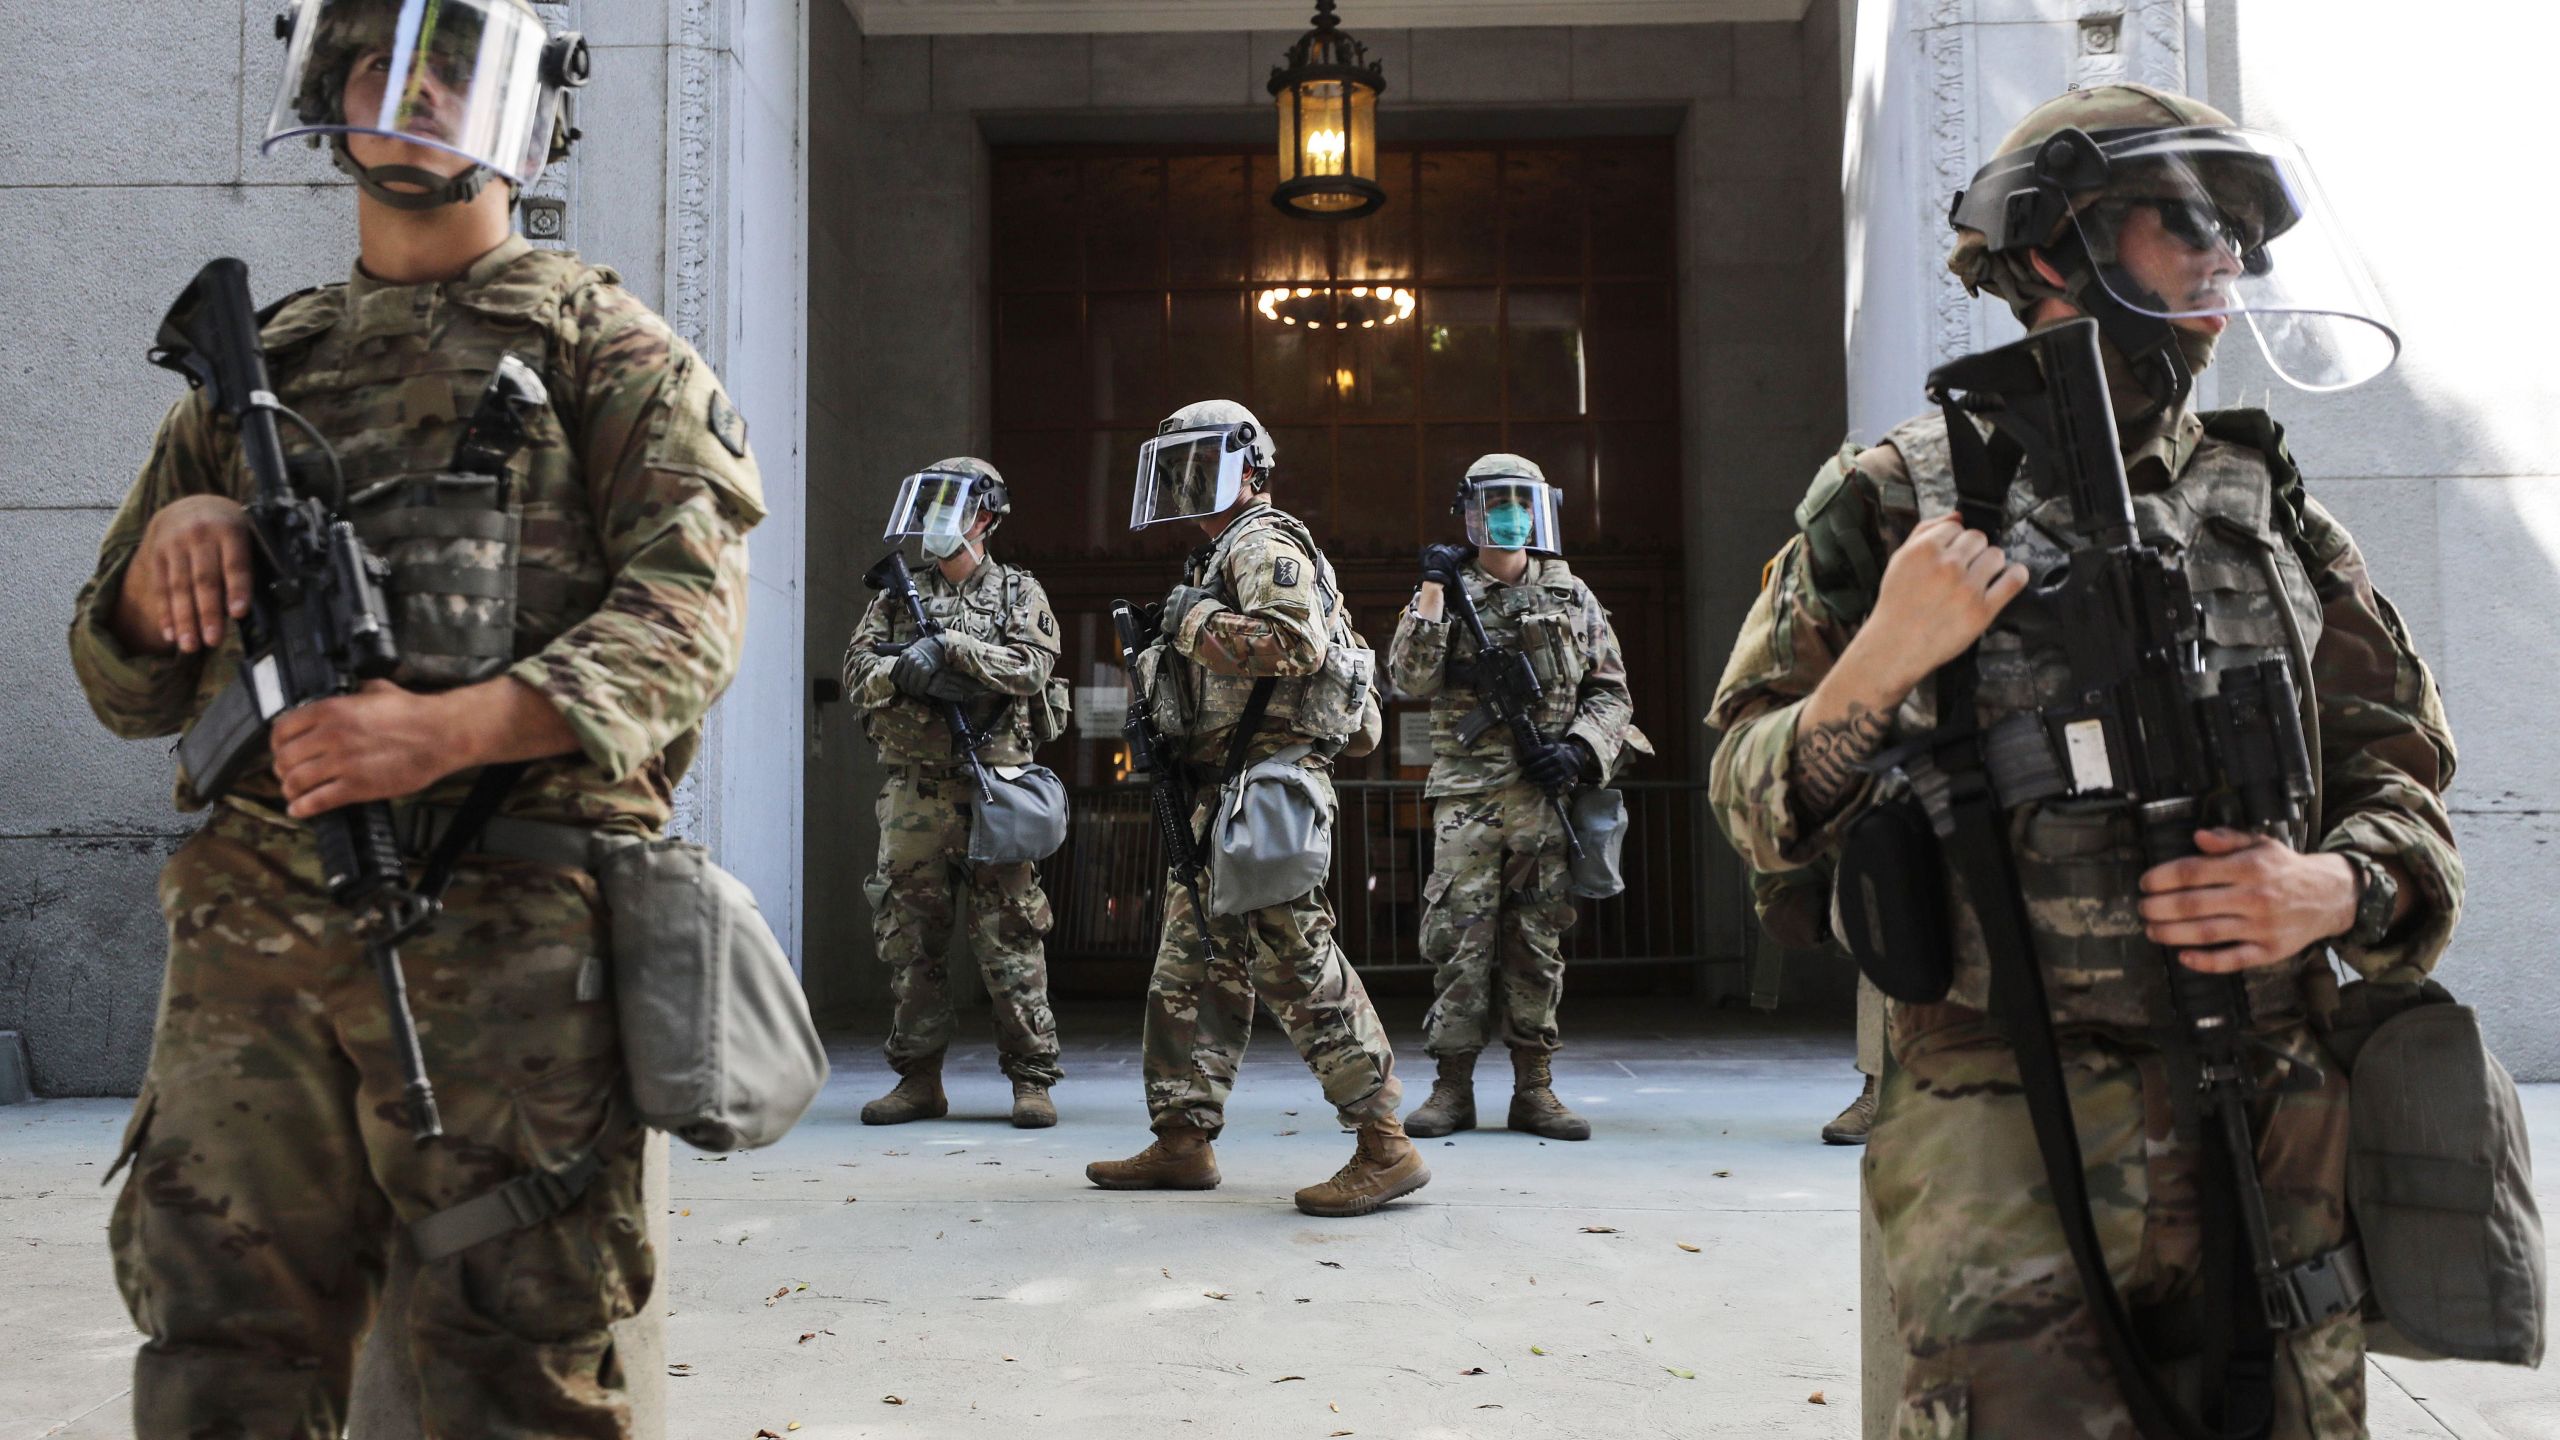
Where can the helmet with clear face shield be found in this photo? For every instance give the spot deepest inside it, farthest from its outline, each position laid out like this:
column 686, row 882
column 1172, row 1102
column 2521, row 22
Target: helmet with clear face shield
column 1197, row 462
column 1508, row 505
column 478, row 79
column 939, row 503
column 2158, row 209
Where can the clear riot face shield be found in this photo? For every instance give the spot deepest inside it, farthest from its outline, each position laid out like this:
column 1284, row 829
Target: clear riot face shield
column 936, row 506
column 1189, row 473
column 480, row 79
column 2216, row 223
column 1512, row 512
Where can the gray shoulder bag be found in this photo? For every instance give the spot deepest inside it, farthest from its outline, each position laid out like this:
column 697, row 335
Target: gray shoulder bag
column 1599, row 818
column 2439, row 1179
column 1024, row 818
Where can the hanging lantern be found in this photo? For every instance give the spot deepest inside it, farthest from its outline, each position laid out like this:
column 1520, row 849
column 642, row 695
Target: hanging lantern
column 1327, row 90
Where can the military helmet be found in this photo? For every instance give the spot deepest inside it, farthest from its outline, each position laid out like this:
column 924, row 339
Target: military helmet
column 1508, row 504
column 485, row 81
column 2149, row 208
column 992, row 493
column 1195, row 463
column 1205, row 414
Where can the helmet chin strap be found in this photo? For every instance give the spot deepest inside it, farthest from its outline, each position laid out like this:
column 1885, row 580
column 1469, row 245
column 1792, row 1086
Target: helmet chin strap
column 434, row 193
column 2147, row 344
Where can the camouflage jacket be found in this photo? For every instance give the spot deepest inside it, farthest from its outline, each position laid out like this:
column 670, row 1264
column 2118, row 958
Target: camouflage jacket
column 1270, row 620
column 636, row 492
column 1552, row 617
column 2385, row 749
column 999, row 631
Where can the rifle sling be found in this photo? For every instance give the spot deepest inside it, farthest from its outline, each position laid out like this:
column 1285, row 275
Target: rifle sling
column 1979, row 851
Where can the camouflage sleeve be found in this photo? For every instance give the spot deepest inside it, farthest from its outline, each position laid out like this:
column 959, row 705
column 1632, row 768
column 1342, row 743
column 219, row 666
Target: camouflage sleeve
column 1789, row 641
column 1418, row 655
column 140, row 696
column 2386, row 753
column 1022, row 664
column 674, row 491
column 1272, row 628
column 1604, row 713
column 866, row 676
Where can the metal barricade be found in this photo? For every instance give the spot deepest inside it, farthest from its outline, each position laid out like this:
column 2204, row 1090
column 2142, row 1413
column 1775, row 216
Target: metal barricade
column 1106, row 882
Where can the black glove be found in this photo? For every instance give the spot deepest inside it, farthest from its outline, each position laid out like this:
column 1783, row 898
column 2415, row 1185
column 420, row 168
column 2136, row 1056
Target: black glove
column 916, row 667
column 1179, row 603
column 1559, row 765
column 1441, row 563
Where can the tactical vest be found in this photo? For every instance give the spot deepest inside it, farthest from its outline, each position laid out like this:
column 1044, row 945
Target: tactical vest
column 2079, row 862
column 482, row 573
column 1329, row 707
column 1541, row 617
column 911, row 731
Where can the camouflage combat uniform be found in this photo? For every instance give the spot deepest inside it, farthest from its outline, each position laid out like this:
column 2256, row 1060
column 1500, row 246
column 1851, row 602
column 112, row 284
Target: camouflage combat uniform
column 1269, row 620
column 1988, row 1304
column 1500, row 894
column 269, row 1151
column 1002, row 635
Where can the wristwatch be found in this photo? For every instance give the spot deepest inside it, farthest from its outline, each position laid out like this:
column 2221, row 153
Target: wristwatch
column 2376, row 895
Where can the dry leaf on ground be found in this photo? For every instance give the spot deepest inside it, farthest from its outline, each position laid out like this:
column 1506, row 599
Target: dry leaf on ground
column 1472, row 1370
column 1216, row 1294
column 1683, row 1374
column 1537, row 1349
column 1599, row 1229
column 891, row 1400
column 1815, row 1399
column 1685, row 1245
column 1724, row 1174
column 1285, row 1379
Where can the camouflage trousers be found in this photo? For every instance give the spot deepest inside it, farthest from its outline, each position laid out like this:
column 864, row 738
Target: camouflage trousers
column 1493, row 920
column 1200, row 1009
column 1999, row 1342
column 272, row 1160
column 924, row 879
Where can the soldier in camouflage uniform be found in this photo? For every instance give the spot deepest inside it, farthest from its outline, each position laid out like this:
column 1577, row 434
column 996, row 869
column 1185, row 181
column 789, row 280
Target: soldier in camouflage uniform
column 1500, row 895
column 1881, row 587
column 270, row 1158
column 997, row 645
column 1257, row 608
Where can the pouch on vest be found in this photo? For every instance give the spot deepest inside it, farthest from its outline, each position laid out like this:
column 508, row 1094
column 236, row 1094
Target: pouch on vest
column 716, row 1035
column 1158, row 676
column 1049, row 711
column 1338, row 696
column 2439, row 1179
column 1889, row 901
column 1026, row 819
column 1600, row 826
column 1271, row 839
column 452, row 549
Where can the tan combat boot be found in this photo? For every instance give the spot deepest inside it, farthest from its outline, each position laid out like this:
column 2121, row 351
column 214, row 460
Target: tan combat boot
column 1032, row 1108
column 1180, row 1159
column 1850, row 1126
column 918, row 1096
column 1452, row 1106
column 1383, row 1166
column 1534, row 1106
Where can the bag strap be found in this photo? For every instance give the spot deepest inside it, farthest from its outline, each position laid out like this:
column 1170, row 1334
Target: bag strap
column 478, row 808
column 1247, row 727
column 534, row 1198
column 1979, row 851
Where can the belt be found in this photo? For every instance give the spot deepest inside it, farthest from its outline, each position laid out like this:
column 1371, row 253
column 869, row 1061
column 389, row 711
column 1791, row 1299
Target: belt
column 543, row 842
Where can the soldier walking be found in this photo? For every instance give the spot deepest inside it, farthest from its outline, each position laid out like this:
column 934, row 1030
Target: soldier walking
column 1254, row 665
column 1500, row 895
column 994, row 647
column 580, row 615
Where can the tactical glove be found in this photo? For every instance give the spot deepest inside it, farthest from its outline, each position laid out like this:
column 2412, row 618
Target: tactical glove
column 917, row 665
column 1559, row 765
column 1179, row 604
column 1441, row 563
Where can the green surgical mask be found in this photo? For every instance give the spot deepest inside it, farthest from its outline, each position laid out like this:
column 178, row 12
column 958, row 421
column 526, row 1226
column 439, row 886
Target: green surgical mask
column 1508, row 528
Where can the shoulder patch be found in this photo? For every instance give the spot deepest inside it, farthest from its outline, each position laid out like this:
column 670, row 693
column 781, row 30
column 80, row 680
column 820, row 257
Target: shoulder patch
column 727, row 425
column 1047, row 625
column 1284, row 572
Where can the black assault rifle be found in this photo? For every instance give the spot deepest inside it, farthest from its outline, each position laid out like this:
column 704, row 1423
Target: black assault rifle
column 1508, row 689
column 2182, row 747
column 1153, row 754
column 891, row 574
column 317, row 626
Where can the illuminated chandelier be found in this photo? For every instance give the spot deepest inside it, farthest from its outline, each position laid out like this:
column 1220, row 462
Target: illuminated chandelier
column 1327, row 91
column 1336, row 307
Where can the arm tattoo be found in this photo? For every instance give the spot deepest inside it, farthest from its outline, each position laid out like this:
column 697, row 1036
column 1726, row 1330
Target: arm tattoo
column 1826, row 758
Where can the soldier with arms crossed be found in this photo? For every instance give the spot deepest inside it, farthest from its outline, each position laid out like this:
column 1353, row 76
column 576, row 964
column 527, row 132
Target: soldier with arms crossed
column 270, row 1156
column 2182, row 222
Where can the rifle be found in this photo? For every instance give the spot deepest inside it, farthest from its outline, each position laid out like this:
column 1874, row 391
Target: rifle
column 2183, row 747
column 891, row 574
column 1153, row 754
column 317, row 626
column 1509, row 690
